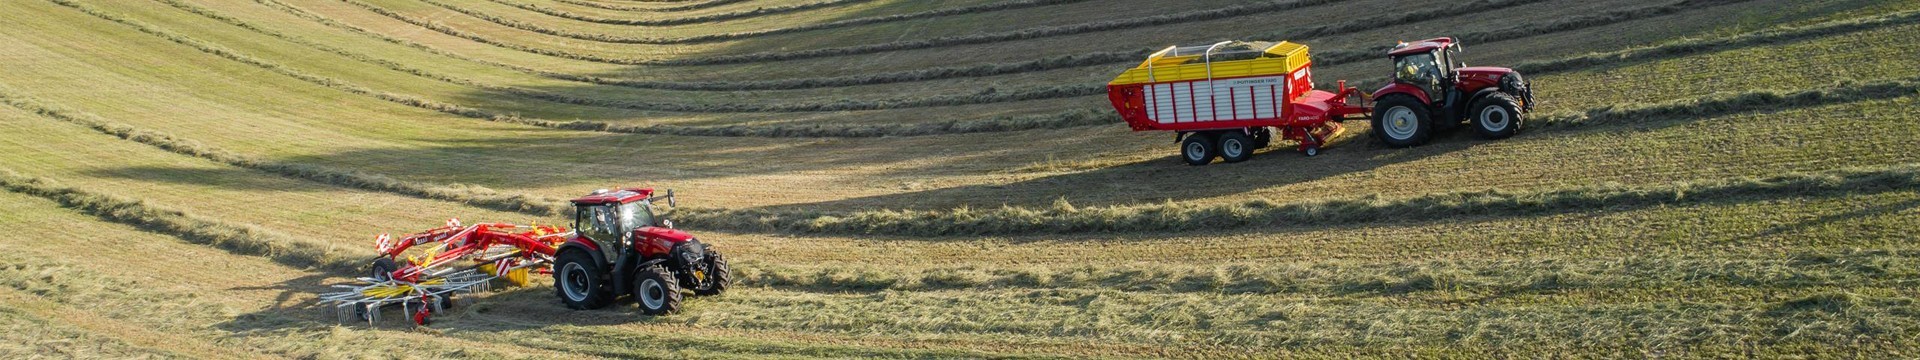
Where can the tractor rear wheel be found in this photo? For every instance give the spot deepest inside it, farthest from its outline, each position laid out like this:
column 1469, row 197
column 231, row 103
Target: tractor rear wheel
column 1199, row 149
column 1401, row 121
column 719, row 278
column 1496, row 116
column 581, row 283
column 657, row 291
column 382, row 269
column 1236, row 147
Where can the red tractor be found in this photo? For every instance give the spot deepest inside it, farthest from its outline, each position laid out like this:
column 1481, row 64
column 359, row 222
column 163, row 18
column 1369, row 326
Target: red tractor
column 1431, row 91
column 616, row 246
column 620, row 247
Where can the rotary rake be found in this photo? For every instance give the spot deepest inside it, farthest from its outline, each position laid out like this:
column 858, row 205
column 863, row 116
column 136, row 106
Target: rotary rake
column 457, row 259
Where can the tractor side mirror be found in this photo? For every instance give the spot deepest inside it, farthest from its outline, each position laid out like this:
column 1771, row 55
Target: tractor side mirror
column 670, row 201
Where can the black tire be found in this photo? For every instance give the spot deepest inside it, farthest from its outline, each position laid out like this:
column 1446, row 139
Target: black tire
column 719, row 278
column 1311, row 151
column 657, row 292
column 382, row 269
column 1199, row 149
column 580, row 282
column 1235, row 147
column 1410, row 123
column 1496, row 116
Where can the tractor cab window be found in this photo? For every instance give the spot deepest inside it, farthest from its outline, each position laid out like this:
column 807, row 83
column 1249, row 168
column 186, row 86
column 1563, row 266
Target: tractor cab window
column 635, row 215
column 1420, row 70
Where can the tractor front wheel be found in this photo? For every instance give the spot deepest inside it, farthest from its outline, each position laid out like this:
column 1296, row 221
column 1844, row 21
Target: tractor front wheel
column 581, row 283
column 657, row 291
column 718, row 278
column 1496, row 116
column 1401, row 121
column 1199, row 149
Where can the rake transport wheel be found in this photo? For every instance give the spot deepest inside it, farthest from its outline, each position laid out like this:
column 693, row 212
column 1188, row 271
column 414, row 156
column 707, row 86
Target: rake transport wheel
column 1496, row 116
column 1199, row 149
column 382, row 269
column 720, row 278
column 1236, row 147
column 580, row 282
column 656, row 290
column 1401, row 121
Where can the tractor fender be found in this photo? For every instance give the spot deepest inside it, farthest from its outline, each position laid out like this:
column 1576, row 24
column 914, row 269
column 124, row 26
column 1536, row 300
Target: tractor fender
column 600, row 260
column 1403, row 89
column 1477, row 95
column 624, row 269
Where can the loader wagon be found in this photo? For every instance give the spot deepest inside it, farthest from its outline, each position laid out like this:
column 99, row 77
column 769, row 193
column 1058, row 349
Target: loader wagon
column 1228, row 99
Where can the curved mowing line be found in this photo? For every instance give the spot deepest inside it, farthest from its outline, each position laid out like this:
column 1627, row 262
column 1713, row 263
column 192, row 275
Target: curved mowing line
column 1032, row 93
column 709, row 18
column 1064, row 218
column 687, row 7
column 1339, row 278
column 1066, row 61
column 459, row 193
column 1068, row 118
column 1009, row 5
column 974, row 39
column 927, row 74
column 237, row 238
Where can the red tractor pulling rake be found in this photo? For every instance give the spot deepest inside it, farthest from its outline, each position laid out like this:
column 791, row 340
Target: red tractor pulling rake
column 1227, row 99
column 620, row 248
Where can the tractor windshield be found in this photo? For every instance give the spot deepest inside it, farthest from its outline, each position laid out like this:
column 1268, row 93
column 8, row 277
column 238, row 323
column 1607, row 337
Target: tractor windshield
column 635, row 215
column 613, row 222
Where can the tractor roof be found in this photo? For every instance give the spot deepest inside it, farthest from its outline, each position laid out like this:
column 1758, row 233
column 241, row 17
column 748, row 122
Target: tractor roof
column 1420, row 46
column 620, row 196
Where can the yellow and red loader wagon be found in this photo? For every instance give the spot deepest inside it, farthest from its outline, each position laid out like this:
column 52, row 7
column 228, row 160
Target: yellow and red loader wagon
column 1226, row 99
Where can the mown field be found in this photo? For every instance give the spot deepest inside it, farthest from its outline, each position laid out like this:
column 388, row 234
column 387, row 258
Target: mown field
column 922, row 179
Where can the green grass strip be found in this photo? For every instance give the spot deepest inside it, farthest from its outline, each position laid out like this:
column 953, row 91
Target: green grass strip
column 237, row 238
column 1063, row 217
column 461, row 193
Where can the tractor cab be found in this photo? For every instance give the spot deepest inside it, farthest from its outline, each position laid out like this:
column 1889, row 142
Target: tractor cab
column 1427, row 65
column 614, row 219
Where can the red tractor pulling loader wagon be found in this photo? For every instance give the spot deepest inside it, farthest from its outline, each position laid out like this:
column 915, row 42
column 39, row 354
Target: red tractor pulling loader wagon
column 618, row 247
column 1227, row 99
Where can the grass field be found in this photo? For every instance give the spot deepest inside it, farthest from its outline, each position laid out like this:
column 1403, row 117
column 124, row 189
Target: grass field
column 945, row 179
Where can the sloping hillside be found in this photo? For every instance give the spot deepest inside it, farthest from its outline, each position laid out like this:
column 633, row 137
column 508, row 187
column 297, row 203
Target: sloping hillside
column 945, row 179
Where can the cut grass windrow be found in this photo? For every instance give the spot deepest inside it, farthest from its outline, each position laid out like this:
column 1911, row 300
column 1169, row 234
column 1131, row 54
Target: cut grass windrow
column 693, row 6
column 1069, row 118
column 1691, row 46
column 243, row 239
column 924, row 74
column 939, row 73
column 983, row 97
column 1536, row 29
column 461, row 193
column 1738, row 102
column 1009, row 5
column 1063, row 217
column 708, row 18
column 971, row 39
column 999, row 6
column 1344, row 278
column 1063, row 119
